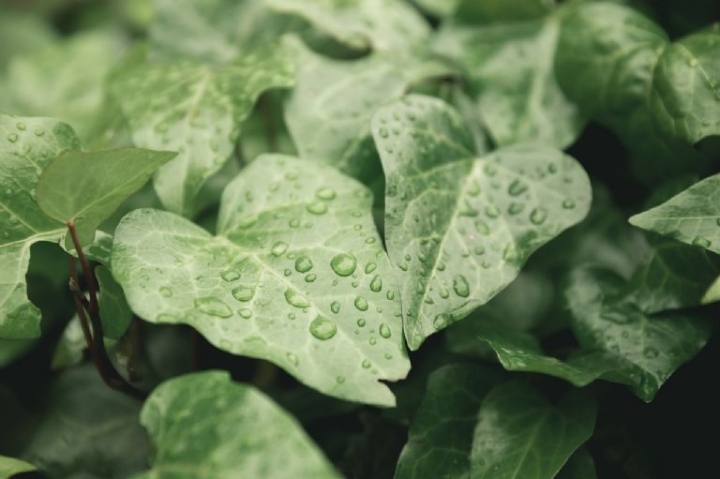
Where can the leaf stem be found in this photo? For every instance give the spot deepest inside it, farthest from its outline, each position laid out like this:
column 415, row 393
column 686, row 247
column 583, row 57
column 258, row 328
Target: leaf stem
column 92, row 286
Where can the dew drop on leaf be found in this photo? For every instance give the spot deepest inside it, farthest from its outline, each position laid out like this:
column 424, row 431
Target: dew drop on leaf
column 366, row 364
column 568, row 204
column 385, row 331
column 516, row 208
column 296, row 299
column 361, row 322
column 245, row 313
column 310, row 278
column 702, row 242
column 440, row 322
column 482, row 227
column 370, row 267
column 461, row 286
column 12, row 137
column 165, row 292
column 230, row 276
column 343, row 264
column 213, row 307
column 243, row 293
column 650, row 352
column 303, row 264
column 376, row 284
column 322, row 328
column 279, row 248
column 361, row 303
column 491, row 211
column 325, row 193
column 335, row 307
column 317, row 208
column 292, row 358
column 517, row 188
column 538, row 216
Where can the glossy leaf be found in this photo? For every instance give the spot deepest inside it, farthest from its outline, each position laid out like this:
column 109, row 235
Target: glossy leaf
column 512, row 81
column 441, row 434
column 328, row 113
column 520, row 434
column 580, row 466
column 114, row 310
column 361, row 24
column 459, row 228
column 297, row 275
column 26, row 147
column 97, row 438
column 606, row 317
column 87, row 187
column 10, row 466
column 692, row 216
column 233, row 431
column 196, row 110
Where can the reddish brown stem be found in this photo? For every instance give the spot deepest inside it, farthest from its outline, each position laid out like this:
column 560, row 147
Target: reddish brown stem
column 92, row 287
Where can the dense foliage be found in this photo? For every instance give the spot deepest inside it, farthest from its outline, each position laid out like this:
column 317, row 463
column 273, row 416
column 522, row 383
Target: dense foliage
column 359, row 238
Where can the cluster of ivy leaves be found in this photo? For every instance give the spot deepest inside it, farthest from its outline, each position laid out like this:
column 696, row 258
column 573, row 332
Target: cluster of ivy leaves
column 361, row 238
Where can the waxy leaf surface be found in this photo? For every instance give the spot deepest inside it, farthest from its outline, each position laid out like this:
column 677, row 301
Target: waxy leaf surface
column 297, row 275
column 196, row 110
column 459, row 228
column 88, row 186
column 26, row 147
column 205, row 426
column 10, row 466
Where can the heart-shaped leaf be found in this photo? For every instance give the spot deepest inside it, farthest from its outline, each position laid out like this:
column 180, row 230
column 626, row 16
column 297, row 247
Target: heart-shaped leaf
column 297, row 275
column 459, row 228
column 10, row 466
column 207, row 426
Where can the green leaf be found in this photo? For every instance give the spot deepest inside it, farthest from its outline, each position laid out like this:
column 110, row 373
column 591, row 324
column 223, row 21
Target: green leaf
column 606, row 317
column 441, row 434
column 512, row 81
column 520, row 434
column 87, row 187
column 692, row 216
column 361, row 24
column 297, row 275
column 204, row 425
column 459, row 228
column 26, row 147
column 10, row 466
column 712, row 294
column 438, row 8
column 88, row 430
column 685, row 96
column 70, row 346
column 580, row 466
column 501, row 11
column 197, row 110
column 114, row 310
column 21, row 33
column 12, row 349
column 328, row 113
column 64, row 80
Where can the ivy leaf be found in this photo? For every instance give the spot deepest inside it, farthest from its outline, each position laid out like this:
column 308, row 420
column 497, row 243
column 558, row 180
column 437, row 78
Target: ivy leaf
column 114, row 310
column 606, row 317
column 459, row 228
column 197, row 110
column 512, row 81
column 10, row 466
column 87, row 187
column 328, row 113
column 685, row 96
column 501, row 11
column 712, row 294
column 580, row 466
column 692, row 216
column 69, row 74
column 361, row 24
column 297, row 275
column 12, row 349
column 106, row 440
column 21, row 33
column 233, row 431
column 441, row 435
column 26, row 147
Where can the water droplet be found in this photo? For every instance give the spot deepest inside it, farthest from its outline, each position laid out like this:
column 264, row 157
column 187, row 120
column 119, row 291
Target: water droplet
column 444, row 293
column 482, row 227
column 361, row 323
column 230, row 276
column 21, row 126
column 366, row 364
column 390, row 295
column 479, row 250
column 343, row 264
column 310, row 278
column 461, row 286
column 279, row 248
column 370, row 267
column 325, row 193
column 340, row 379
column 245, row 313
column 492, row 211
column 538, row 216
column 702, row 242
column 568, row 204
column 317, row 208
column 650, row 352
column 383, row 132
column 303, row 264
column 517, row 188
column 294, row 298
column 372, row 341
column 322, row 328
column 376, row 284
column 294, row 223
column 213, row 307
column 490, row 170
column 510, row 254
column 287, row 272
column 39, row 132
column 12, row 137
column 385, row 331
column 515, row 208
column 361, row 303
column 165, row 292
column 335, row 307
column 293, row 359
column 441, row 321
column 243, row 293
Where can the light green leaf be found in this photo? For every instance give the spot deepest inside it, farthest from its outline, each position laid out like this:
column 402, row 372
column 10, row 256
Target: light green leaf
column 606, row 317
column 89, row 430
column 10, row 466
column 459, row 228
column 361, row 24
column 692, row 216
column 512, row 80
column 441, row 434
column 580, row 466
column 26, row 147
column 297, row 275
column 328, row 113
column 519, row 434
column 21, row 33
column 88, row 186
column 70, row 346
column 685, row 96
column 197, row 110
column 64, row 80
column 712, row 294
column 439, row 8
column 114, row 310
column 205, row 426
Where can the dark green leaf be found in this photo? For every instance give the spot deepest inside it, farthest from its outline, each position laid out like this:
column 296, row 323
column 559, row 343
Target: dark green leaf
column 297, row 275
column 87, row 187
column 205, row 426
column 580, row 466
column 501, row 11
column 114, row 310
column 26, row 147
column 12, row 349
column 459, row 228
